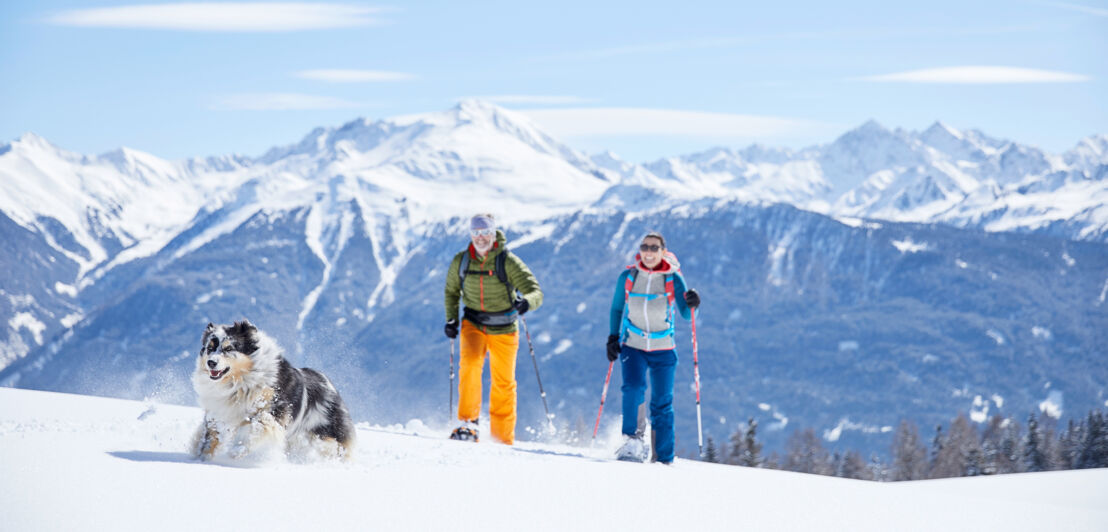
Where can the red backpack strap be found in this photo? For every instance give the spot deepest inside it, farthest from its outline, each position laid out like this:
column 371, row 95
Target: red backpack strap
column 629, row 282
column 669, row 289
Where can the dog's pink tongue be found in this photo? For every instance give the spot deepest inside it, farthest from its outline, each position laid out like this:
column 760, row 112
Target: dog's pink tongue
column 215, row 373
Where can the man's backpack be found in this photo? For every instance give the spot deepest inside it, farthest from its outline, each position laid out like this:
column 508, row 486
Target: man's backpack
column 500, row 271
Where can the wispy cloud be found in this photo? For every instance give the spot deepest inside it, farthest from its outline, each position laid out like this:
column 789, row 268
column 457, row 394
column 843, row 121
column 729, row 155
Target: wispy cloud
column 1098, row 11
column 579, row 122
column 538, row 99
column 229, row 17
column 977, row 75
column 844, row 34
column 281, row 102
column 354, row 76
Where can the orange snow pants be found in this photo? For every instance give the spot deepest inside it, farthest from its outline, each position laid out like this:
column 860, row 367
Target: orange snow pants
column 501, row 349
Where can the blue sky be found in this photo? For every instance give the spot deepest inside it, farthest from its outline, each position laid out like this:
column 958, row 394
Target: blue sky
column 644, row 80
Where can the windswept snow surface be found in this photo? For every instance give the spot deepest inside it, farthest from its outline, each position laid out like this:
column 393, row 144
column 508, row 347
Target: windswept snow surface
column 70, row 462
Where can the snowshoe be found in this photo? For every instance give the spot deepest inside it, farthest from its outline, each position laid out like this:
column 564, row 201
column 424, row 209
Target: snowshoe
column 466, row 432
column 632, row 450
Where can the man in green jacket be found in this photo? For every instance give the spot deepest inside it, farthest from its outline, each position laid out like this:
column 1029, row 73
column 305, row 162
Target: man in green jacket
column 485, row 278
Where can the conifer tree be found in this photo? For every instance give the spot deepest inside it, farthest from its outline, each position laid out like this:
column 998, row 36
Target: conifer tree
column 1069, row 445
column 876, row 470
column 936, row 449
column 752, row 449
column 1034, row 456
column 959, row 452
column 909, row 454
column 1011, row 448
column 735, row 447
column 1094, row 448
column 992, row 458
column 806, row 454
column 854, row 466
column 710, row 452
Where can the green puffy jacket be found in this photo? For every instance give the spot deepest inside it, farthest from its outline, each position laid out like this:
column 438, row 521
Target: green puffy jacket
column 486, row 292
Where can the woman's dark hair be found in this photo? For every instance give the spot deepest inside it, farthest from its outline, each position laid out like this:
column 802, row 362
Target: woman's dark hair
column 655, row 234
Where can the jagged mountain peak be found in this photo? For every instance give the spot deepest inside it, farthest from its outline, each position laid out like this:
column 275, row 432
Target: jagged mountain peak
column 1089, row 152
column 940, row 129
column 31, row 138
column 869, row 128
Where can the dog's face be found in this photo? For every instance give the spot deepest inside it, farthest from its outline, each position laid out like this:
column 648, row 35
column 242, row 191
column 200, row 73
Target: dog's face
column 225, row 351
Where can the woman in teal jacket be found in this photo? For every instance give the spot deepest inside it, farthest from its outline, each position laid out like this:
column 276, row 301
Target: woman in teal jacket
column 641, row 335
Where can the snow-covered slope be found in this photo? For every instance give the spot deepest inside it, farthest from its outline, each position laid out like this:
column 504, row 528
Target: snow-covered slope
column 73, row 462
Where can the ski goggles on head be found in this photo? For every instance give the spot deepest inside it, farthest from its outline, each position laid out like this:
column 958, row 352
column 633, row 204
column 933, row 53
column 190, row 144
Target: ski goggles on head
column 650, row 247
column 482, row 232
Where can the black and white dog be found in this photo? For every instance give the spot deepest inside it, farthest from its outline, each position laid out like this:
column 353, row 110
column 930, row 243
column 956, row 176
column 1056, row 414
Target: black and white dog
column 256, row 404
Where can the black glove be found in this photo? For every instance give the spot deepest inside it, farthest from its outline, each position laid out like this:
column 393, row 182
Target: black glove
column 613, row 347
column 521, row 305
column 692, row 298
column 451, row 329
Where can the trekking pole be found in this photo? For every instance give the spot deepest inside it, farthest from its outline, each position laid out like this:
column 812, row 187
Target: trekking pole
column 603, row 395
column 451, row 380
column 549, row 418
column 696, row 378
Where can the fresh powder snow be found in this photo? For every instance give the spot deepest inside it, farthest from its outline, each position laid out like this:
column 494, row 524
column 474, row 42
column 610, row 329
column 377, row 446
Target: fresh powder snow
column 71, row 462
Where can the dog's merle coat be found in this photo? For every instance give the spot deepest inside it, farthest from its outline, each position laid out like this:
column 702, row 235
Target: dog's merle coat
column 254, row 399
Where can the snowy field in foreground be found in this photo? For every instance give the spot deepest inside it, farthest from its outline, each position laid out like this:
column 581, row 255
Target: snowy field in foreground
column 71, row 462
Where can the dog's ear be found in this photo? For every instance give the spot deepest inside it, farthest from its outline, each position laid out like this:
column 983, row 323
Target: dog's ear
column 211, row 327
column 243, row 328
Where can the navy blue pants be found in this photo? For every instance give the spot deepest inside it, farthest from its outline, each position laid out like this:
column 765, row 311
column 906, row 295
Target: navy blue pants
column 661, row 365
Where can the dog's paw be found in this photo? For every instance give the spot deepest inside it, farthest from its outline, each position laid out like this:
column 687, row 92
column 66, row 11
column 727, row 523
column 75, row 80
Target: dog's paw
column 239, row 450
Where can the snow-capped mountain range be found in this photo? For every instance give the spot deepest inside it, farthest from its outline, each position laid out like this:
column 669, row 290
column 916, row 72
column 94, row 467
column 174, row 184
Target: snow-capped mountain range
column 422, row 169
column 337, row 246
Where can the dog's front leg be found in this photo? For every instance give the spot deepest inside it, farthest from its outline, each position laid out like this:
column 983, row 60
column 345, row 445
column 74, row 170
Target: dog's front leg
column 206, row 440
column 260, row 434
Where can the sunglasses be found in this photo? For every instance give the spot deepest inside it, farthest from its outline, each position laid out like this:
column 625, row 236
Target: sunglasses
column 650, row 247
column 482, row 232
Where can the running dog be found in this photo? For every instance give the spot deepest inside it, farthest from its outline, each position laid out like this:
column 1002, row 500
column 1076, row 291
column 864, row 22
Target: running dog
column 255, row 403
